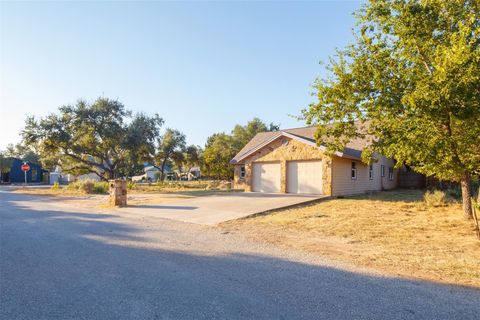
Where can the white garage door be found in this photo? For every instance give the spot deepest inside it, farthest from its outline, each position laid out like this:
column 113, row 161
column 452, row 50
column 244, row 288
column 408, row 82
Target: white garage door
column 304, row 177
column 266, row 177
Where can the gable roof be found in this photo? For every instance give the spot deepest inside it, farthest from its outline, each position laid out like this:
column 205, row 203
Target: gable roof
column 306, row 135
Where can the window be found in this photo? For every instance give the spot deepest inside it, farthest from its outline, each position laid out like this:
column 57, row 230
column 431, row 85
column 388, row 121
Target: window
column 390, row 173
column 354, row 171
column 34, row 175
column 370, row 172
column 242, row 173
column 382, row 170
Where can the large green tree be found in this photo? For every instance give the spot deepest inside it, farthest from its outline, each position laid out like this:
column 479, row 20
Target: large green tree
column 221, row 148
column 171, row 148
column 100, row 137
column 412, row 75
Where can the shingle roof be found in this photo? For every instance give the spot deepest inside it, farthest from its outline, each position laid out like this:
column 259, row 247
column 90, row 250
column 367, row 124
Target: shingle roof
column 353, row 149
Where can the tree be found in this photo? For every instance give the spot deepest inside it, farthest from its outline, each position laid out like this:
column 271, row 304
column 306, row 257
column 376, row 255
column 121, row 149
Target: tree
column 23, row 152
column 171, row 145
column 193, row 157
column 95, row 138
column 241, row 135
column 413, row 76
column 5, row 164
column 219, row 150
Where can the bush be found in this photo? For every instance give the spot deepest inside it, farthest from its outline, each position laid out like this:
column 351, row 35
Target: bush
column 436, row 198
column 56, row 186
column 89, row 186
column 131, row 185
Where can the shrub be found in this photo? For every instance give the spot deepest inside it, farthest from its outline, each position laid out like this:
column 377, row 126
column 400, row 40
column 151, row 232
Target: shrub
column 436, row 198
column 89, row 186
column 455, row 193
column 100, row 187
column 131, row 185
column 56, row 186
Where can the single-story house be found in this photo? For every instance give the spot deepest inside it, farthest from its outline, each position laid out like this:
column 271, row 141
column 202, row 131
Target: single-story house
column 152, row 173
column 15, row 174
column 290, row 161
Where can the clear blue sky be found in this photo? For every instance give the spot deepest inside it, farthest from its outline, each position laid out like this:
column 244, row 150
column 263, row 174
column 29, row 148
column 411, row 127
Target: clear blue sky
column 204, row 67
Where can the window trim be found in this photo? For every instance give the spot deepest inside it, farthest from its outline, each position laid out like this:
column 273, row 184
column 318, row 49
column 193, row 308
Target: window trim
column 382, row 171
column 370, row 172
column 390, row 173
column 242, row 173
column 353, row 171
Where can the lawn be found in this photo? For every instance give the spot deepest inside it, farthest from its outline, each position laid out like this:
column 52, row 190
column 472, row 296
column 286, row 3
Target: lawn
column 393, row 231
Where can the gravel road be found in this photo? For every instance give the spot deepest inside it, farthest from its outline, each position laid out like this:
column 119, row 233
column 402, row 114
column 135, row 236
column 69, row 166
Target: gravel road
column 59, row 261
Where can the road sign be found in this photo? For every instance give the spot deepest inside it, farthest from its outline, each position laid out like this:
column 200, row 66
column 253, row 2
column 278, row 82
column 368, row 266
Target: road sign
column 25, row 167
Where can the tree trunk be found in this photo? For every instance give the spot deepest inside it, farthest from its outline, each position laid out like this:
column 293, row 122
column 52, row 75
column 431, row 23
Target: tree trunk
column 466, row 195
column 163, row 170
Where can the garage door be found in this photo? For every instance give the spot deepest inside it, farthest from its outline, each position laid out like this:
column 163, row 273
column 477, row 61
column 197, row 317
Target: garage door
column 266, row 177
column 304, row 177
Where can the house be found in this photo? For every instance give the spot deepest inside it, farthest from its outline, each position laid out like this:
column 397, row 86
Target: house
column 153, row 173
column 16, row 175
column 289, row 161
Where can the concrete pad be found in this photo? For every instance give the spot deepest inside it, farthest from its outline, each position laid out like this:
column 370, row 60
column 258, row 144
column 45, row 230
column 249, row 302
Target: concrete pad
column 214, row 209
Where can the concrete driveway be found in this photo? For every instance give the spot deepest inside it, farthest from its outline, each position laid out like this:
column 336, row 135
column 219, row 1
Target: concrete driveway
column 213, row 209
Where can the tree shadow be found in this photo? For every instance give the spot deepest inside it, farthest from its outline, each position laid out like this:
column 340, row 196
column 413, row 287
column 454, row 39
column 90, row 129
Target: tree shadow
column 72, row 265
column 162, row 207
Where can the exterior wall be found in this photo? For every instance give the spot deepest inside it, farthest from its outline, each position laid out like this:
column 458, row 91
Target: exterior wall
column 343, row 184
column 283, row 150
column 16, row 175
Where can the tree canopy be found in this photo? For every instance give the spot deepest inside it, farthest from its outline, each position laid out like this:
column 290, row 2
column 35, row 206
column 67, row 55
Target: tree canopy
column 171, row 148
column 221, row 147
column 413, row 75
column 100, row 137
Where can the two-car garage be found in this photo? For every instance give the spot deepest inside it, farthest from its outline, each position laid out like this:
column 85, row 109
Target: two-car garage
column 302, row 177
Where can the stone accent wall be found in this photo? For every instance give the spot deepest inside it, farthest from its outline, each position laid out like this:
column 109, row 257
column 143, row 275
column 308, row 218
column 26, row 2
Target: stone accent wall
column 283, row 150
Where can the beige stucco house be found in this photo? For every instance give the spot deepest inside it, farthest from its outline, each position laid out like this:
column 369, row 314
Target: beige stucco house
column 289, row 161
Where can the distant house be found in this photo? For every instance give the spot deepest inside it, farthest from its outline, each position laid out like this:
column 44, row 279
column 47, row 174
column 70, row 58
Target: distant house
column 290, row 161
column 153, row 173
column 16, row 175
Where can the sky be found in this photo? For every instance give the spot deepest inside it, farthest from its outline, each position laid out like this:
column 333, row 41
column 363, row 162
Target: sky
column 202, row 66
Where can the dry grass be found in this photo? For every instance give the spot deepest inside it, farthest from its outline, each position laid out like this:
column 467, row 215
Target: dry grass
column 395, row 232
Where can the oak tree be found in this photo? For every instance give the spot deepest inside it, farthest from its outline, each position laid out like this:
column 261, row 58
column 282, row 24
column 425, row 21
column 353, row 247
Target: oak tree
column 412, row 75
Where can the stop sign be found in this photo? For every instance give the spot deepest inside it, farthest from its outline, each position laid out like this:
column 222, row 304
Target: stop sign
column 25, row 167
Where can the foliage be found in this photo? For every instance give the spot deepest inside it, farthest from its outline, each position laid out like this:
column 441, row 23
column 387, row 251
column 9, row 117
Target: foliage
column 89, row 186
column 131, row 185
column 436, row 198
column 95, row 138
column 23, row 152
column 56, row 186
column 221, row 148
column 171, row 148
column 412, row 78
column 5, row 164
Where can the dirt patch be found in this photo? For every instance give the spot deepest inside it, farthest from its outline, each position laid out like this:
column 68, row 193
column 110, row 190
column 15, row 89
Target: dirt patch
column 390, row 231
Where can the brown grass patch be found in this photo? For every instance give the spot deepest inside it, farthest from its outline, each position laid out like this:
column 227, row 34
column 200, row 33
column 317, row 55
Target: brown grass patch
column 395, row 232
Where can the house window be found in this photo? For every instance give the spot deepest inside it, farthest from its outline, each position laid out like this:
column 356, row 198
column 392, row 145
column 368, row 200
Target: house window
column 354, row 171
column 382, row 170
column 370, row 172
column 242, row 173
column 390, row 173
